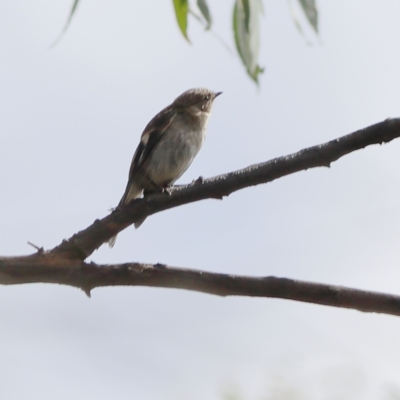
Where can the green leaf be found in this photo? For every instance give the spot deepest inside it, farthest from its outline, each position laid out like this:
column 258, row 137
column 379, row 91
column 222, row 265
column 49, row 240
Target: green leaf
column 246, row 29
column 181, row 12
column 246, row 10
column 205, row 12
column 71, row 14
column 310, row 9
column 295, row 16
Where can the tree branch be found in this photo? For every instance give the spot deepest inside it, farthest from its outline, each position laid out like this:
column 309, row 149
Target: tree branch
column 85, row 242
column 64, row 264
column 45, row 268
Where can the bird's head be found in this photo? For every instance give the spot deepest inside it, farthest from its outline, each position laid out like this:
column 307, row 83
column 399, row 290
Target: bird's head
column 198, row 100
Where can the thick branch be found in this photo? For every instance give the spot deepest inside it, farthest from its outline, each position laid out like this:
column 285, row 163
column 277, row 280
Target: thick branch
column 46, row 268
column 85, row 242
column 64, row 264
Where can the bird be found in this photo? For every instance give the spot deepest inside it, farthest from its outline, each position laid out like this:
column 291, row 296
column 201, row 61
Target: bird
column 168, row 145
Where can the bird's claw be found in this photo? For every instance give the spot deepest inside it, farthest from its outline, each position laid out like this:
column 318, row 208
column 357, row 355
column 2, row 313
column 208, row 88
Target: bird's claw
column 167, row 190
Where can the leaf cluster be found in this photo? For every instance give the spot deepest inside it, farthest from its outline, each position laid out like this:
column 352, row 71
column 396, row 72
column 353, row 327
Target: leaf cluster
column 245, row 25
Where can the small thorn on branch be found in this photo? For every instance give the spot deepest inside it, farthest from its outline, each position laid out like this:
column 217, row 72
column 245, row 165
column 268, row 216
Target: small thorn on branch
column 198, row 181
column 39, row 249
column 217, row 197
column 87, row 291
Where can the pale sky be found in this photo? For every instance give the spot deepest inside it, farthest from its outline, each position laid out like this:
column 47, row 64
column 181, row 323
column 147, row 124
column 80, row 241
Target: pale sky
column 71, row 118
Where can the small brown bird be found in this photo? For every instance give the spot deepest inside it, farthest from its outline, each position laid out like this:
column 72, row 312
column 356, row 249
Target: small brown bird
column 168, row 145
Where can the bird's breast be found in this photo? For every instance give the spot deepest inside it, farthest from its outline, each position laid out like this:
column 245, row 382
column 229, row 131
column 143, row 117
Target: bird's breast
column 174, row 153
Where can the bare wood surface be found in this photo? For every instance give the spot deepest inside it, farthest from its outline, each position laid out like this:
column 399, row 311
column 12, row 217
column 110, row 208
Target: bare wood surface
column 65, row 263
column 45, row 268
column 85, row 242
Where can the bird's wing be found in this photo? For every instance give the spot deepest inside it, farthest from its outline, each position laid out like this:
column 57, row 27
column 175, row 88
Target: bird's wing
column 150, row 137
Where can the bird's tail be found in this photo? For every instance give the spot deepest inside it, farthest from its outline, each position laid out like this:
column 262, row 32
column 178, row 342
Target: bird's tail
column 132, row 191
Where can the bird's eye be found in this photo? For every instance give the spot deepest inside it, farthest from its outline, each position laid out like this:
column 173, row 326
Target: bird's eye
column 207, row 98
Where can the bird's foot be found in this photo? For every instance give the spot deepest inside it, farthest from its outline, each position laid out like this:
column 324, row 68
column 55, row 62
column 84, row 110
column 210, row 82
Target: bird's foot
column 167, row 189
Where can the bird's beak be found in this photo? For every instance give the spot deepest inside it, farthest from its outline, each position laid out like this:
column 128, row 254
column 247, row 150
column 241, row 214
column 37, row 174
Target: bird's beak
column 217, row 94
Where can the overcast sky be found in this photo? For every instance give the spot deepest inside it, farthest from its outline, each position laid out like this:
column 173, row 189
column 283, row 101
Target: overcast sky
column 71, row 118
